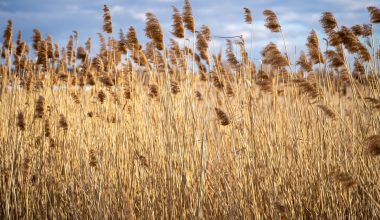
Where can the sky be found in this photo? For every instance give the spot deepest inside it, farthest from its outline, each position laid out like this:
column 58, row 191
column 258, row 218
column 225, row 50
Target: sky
column 224, row 17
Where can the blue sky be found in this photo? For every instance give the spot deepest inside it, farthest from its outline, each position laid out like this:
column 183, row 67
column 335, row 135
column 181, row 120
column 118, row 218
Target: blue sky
column 224, row 17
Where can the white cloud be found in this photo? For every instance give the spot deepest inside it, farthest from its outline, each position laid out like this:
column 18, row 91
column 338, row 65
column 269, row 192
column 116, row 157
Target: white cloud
column 117, row 9
column 137, row 15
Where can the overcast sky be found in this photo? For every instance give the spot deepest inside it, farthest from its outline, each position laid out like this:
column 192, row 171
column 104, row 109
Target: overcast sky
column 224, row 17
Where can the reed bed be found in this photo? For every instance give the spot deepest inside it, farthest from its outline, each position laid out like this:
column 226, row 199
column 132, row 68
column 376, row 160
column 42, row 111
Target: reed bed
column 170, row 131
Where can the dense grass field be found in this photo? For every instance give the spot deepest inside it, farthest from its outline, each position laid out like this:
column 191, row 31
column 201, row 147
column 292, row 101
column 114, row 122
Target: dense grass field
column 170, row 131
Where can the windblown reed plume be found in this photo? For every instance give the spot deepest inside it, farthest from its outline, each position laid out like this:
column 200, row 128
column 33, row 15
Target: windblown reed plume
column 70, row 50
column 231, row 58
column 328, row 111
column 106, row 80
column 40, row 107
column 47, row 130
column 37, row 37
column 81, row 54
column 101, row 96
column 206, row 32
column 202, row 47
column 175, row 87
column 178, row 27
column 107, row 20
column 21, row 121
column 304, row 63
column 88, row 45
column 187, row 16
column 132, row 41
column 308, row 88
column 373, row 145
column 345, row 180
column 43, row 55
column 272, row 56
column 122, row 44
column 367, row 30
column 314, row 50
column 63, row 122
column 93, row 160
column 335, row 58
column 153, row 90
column 229, row 90
column 374, row 14
column 198, row 95
column 349, row 39
column 222, row 117
column 358, row 68
column 98, row 63
column 153, row 30
column 50, row 47
column 248, row 16
column 328, row 22
column 271, row 21
column 8, row 36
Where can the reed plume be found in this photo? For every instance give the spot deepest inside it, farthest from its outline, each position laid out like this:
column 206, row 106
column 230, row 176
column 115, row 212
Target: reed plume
column 122, row 44
column 349, row 39
column 202, row 47
column 231, row 58
column 328, row 22
column 107, row 20
column 40, row 107
column 153, row 91
column 374, row 13
column 198, row 95
column 373, row 145
column 272, row 56
column 132, row 41
column 178, row 26
column 188, row 18
column 222, row 117
column 206, row 32
column 70, row 50
column 248, row 16
column 8, row 36
column 271, row 21
column 93, row 160
column 175, row 87
column 304, row 63
column 37, row 37
column 314, row 50
column 358, row 68
column 153, row 30
column 328, row 111
column 21, row 121
column 81, row 54
column 63, row 122
column 43, row 55
column 47, row 130
column 101, row 96
column 367, row 30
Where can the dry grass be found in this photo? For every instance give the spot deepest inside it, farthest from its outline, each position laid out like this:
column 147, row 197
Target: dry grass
column 128, row 134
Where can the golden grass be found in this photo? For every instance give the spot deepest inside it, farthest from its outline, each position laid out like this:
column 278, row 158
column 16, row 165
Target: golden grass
column 145, row 139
